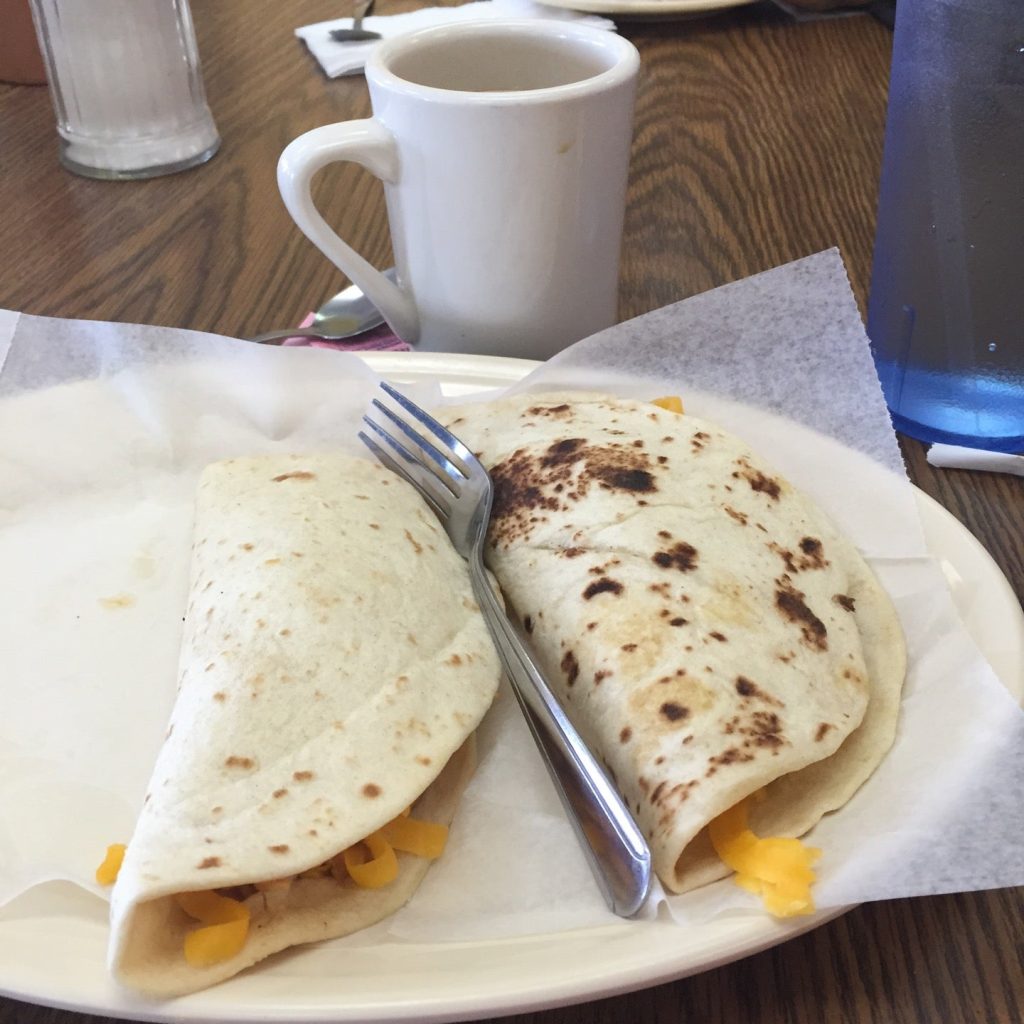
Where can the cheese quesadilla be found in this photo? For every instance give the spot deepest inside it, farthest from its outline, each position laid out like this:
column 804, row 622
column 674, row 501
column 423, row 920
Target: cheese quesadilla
column 711, row 634
column 334, row 667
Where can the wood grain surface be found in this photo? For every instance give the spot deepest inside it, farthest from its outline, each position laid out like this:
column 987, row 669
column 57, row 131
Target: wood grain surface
column 758, row 141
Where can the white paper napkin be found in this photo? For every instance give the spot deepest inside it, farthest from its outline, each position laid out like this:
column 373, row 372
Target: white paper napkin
column 951, row 456
column 348, row 58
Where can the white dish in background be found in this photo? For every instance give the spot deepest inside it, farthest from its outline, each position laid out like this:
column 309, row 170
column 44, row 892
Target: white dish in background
column 652, row 10
column 53, row 939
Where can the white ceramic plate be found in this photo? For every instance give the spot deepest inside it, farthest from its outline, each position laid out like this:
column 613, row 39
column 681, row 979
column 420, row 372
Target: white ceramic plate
column 648, row 10
column 53, row 939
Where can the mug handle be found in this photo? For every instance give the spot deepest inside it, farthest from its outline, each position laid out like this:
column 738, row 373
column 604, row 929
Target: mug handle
column 368, row 143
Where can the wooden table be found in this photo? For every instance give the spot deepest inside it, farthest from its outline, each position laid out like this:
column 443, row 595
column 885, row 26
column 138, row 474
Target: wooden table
column 758, row 141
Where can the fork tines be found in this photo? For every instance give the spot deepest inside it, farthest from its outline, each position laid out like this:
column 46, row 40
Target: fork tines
column 438, row 473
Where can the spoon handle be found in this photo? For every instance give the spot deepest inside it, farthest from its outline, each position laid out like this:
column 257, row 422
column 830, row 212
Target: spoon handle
column 301, row 332
column 353, row 35
column 356, row 32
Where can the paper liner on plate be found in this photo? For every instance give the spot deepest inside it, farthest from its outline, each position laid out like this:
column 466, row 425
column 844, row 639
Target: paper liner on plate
column 106, row 427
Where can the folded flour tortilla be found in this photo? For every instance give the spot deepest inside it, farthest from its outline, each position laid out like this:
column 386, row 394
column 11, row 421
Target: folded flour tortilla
column 334, row 666
column 709, row 631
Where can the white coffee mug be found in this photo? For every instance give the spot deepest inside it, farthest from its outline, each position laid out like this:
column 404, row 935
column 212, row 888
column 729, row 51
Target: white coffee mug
column 504, row 151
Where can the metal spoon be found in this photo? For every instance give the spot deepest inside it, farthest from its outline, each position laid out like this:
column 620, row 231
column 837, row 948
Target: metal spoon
column 350, row 312
column 356, row 32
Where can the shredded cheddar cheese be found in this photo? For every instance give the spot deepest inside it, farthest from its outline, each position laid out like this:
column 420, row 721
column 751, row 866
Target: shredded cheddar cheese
column 370, row 864
column 379, row 870
column 422, row 838
column 404, row 833
column 106, row 873
column 673, row 403
column 226, row 925
column 776, row 869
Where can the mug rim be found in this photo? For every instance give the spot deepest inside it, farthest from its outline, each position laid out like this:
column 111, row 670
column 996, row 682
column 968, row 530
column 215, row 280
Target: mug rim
column 627, row 62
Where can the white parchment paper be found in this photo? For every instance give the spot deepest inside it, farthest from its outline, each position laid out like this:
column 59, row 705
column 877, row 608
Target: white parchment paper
column 105, row 427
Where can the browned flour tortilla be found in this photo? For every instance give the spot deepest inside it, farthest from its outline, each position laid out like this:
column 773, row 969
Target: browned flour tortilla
column 709, row 631
column 334, row 667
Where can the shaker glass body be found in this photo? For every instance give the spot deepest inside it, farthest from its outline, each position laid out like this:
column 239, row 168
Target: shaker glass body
column 126, row 86
column 946, row 312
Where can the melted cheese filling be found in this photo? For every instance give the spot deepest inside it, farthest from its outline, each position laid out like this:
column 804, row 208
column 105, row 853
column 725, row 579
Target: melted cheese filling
column 776, row 869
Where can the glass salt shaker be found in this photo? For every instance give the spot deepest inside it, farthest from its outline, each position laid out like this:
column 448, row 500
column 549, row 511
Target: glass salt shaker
column 126, row 86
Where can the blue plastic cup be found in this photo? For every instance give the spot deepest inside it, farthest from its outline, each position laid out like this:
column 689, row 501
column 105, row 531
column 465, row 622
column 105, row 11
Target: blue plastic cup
column 946, row 310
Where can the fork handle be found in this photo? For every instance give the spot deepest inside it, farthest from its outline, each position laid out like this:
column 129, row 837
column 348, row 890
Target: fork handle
column 616, row 850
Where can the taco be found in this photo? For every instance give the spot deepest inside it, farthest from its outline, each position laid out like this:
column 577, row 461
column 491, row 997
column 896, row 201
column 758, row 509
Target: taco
column 333, row 669
column 721, row 646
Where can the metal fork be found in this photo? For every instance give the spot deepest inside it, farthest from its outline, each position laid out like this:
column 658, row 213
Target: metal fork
column 455, row 484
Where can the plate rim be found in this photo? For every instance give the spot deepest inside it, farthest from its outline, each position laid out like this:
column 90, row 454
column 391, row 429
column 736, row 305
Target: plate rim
column 653, row 9
column 596, row 981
